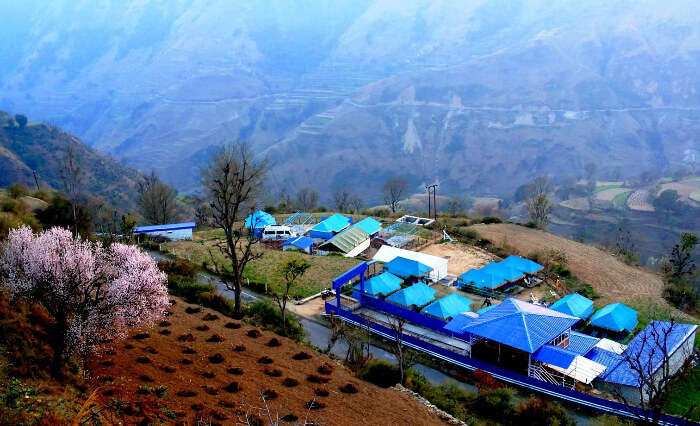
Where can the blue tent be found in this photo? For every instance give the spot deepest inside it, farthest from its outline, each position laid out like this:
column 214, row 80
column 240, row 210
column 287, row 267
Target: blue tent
column 503, row 271
column 448, row 307
column 405, row 268
column 370, row 225
column 521, row 325
column 523, row 265
column 259, row 220
column 481, row 279
column 615, row 317
column 384, row 283
column 574, row 304
column 649, row 347
column 302, row 243
column 330, row 226
column 418, row 294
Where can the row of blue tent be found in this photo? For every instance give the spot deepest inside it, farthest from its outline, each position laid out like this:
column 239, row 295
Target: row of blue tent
column 498, row 274
column 615, row 317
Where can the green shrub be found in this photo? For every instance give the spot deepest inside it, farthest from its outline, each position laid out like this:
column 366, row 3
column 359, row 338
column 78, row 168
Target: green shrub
column 217, row 302
column 188, row 290
column 266, row 315
column 41, row 194
column 17, row 190
column 494, row 403
column 531, row 224
column 8, row 205
column 681, row 296
column 381, row 373
column 178, row 268
column 538, row 411
column 491, row 219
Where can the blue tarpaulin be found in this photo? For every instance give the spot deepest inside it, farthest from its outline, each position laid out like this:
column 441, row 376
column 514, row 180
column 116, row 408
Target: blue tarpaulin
column 259, row 219
column 418, row 294
column 300, row 242
column 370, row 225
column 384, row 283
column 523, row 265
column 554, row 355
column 404, row 268
column 503, row 271
column 649, row 347
column 580, row 343
column 448, row 306
column 481, row 279
column 330, row 226
column 521, row 325
column 615, row 317
column 459, row 323
column 574, row 304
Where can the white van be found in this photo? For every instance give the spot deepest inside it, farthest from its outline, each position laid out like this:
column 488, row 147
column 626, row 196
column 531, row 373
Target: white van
column 277, row 232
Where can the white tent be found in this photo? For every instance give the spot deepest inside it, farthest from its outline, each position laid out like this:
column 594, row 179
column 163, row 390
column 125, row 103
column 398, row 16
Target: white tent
column 581, row 369
column 439, row 264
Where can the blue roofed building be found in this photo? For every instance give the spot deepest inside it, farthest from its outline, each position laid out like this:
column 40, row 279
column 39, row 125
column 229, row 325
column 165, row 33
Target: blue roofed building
column 330, row 226
column 580, row 343
column 448, row 307
column 370, row 225
column 615, row 317
column 300, row 243
column 419, row 295
column 258, row 220
column 380, row 285
column 171, row 231
column 407, row 268
column 658, row 343
column 492, row 276
column 574, row 304
column 518, row 263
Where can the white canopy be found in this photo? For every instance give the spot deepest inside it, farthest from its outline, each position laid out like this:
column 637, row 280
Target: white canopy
column 581, row 369
column 439, row 264
column 611, row 346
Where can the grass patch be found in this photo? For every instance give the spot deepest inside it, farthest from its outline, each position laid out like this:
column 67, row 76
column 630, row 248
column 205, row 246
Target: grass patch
column 695, row 196
column 601, row 188
column 266, row 270
column 620, row 200
column 684, row 394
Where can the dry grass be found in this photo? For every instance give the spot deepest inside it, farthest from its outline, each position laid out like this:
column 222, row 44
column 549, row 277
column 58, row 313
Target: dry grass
column 461, row 257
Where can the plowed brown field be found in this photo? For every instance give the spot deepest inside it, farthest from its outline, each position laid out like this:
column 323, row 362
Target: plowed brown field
column 216, row 370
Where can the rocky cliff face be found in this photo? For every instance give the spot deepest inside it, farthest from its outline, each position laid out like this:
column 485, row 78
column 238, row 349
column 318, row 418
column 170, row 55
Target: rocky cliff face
column 479, row 97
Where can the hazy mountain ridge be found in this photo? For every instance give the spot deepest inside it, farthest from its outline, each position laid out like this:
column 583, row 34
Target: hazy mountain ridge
column 479, row 97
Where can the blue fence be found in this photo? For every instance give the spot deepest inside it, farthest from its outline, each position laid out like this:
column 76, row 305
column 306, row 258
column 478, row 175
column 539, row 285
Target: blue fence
column 516, row 379
column 401, row 312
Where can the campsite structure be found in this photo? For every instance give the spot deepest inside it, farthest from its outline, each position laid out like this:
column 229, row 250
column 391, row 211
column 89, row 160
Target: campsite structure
column 171, row 231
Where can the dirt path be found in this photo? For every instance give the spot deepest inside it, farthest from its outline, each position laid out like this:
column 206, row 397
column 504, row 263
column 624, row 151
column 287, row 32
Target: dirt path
column 182, row 355
column 613, row 279
column 461, row 256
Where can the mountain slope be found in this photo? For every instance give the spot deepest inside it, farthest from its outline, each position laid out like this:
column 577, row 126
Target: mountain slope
column 478, row 96
column 42, row 148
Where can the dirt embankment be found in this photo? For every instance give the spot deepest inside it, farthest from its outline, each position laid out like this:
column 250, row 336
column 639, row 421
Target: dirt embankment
column 461, row 257
column 613, row 279
column 216, row 369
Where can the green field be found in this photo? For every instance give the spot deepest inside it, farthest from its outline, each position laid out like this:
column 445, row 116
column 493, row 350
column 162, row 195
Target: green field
column 695, row 196
column 266, row 270
column 620, row 200
column 684, row 395
column 600, row 188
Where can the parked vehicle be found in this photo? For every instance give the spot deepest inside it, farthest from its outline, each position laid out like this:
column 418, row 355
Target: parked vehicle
column 277, row 232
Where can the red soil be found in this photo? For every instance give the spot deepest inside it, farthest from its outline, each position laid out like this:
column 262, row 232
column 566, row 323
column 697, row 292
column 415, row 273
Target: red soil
column 225, row 391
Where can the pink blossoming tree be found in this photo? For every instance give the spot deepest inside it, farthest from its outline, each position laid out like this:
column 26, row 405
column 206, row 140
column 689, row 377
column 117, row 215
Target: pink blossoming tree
column 94, row 293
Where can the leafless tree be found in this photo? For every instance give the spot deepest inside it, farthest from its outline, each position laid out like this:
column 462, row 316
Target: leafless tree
column 538, row 204
column 394, row 190
column 307, row 199
column 72, row 175
column 649, row 360
column 233, row 182
column 341, row 199
column 404, row 358
column 356, row 203
column 454, row 206
column 157, row 200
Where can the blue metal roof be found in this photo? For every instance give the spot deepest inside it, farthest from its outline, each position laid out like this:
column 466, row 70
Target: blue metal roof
column 459, row 323
column 481, row 279
column 554, row 355
column 166, row 227
column 486, row 309
column 607, row 358
column 581, row 343
column 418, row 294
column 574, row 304
column 615, row 317
column 370, row 225
column 523, row 265
column 300, row 242
column 259, row 219
column 404, row 268
column 383, row 283
column 335, row 223
column 503, row 271
column 649, row 347
column 448, row 306
column 521, row 325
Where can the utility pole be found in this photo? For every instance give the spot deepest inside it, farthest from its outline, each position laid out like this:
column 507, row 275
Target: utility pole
column 432, row 187
column 36, row 180
column 427, row 187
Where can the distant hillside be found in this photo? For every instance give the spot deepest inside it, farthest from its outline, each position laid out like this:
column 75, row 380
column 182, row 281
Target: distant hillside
column 41, row 148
